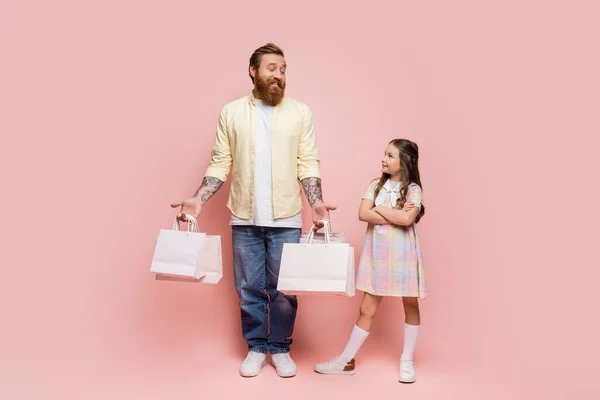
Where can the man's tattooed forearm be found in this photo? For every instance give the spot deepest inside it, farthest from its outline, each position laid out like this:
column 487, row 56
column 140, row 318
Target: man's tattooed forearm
column 312, row 189
column 209, row 187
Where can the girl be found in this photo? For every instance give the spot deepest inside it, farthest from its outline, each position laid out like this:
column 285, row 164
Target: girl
column 391, row 263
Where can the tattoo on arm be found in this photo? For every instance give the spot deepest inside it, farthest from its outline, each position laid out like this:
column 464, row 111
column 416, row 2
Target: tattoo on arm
column 312, row 189
column 209, row 187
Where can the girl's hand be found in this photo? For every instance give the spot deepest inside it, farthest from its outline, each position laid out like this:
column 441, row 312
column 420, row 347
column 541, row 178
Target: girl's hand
column 408, row 206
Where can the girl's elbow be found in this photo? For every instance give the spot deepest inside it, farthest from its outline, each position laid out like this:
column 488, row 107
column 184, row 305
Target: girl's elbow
column 361, row 216
column 409, row 221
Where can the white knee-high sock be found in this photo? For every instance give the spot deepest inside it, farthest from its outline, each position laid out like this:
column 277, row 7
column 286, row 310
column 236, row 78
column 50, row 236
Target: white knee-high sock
column 411, row 332
column 357, row 337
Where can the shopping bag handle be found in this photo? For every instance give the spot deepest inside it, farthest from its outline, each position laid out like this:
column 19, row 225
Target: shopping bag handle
column 326, row 228
column 192, row 225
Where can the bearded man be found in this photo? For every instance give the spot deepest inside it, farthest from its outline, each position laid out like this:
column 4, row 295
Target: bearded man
column 267, row 141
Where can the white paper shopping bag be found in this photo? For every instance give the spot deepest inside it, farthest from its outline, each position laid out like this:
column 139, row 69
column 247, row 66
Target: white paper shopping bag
column 319, row 237
column 317, row 268
column 179, row 253
column 211, row 262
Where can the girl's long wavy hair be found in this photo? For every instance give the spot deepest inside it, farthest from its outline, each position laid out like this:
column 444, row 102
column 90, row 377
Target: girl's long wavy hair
column 409, row 164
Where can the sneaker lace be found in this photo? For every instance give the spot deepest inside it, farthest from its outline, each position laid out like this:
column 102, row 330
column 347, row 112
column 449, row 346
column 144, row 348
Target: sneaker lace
column 283, row 358
column 254, row 356
column 334, row 362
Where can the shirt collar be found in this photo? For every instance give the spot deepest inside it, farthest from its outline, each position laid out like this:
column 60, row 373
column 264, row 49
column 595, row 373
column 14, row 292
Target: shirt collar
column 392, row 186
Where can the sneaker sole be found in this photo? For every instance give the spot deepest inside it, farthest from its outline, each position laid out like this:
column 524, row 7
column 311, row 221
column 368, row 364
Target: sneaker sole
column 335, row 372
column 407, row 381
column 253, row 375
column 286, row 375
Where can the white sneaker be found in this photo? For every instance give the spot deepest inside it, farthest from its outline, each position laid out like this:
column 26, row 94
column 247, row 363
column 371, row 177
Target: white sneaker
column 285, row 366
column 407, row 371
column 252, row 364
column 336, row 366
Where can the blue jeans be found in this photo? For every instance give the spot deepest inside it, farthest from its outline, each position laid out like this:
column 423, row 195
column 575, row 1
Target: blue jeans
column 268, row 315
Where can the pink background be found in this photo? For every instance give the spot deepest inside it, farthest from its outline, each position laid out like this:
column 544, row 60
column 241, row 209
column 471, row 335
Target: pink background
column 107, row 113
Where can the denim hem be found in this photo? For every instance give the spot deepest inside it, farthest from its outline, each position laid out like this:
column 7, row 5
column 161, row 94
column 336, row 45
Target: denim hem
column 258, row 350
column 279, row 351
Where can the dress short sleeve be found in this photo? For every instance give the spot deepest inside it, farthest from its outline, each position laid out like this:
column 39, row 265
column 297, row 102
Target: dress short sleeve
column 370, row 193
column 414, row 195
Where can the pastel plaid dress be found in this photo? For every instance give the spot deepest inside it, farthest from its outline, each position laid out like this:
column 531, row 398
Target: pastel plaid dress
column 391, row 263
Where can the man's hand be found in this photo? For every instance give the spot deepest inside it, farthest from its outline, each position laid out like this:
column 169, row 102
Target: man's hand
column 191, row 206
column 320, row 211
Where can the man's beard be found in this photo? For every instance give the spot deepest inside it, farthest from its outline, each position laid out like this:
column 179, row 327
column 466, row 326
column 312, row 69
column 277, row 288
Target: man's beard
column 271, row 95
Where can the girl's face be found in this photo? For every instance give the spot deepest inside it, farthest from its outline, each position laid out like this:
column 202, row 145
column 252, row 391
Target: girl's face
column 390, row 163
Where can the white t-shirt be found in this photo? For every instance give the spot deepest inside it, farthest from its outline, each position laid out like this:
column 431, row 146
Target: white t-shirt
column 263, row 177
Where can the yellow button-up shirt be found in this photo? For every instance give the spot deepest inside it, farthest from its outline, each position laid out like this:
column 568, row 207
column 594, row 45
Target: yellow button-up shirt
column 295, row 155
